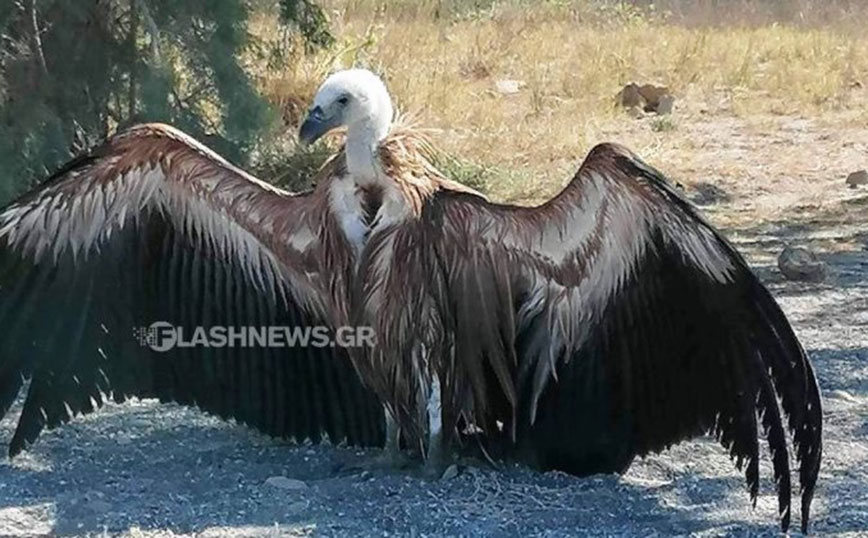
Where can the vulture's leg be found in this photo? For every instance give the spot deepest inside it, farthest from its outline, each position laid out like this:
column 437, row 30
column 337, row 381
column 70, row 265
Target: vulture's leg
column 392, row 457
column 388, row 459
column 392, row 454
column 436, row 458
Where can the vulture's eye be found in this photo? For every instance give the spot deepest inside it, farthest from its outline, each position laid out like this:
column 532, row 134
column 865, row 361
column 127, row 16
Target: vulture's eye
column 343, row 100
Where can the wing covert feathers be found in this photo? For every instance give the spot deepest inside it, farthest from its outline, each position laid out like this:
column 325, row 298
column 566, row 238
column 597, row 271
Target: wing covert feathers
column 152, row 226
column 607, row 323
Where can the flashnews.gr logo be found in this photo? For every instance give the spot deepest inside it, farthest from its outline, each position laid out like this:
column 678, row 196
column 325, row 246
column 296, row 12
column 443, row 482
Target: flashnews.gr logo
column 159, row 336
column 162, row 336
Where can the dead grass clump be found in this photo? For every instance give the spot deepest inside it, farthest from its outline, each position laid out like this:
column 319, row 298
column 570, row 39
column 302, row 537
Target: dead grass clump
column 442, row 60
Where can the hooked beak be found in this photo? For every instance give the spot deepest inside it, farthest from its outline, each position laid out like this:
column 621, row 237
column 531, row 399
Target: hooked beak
column 315, row 125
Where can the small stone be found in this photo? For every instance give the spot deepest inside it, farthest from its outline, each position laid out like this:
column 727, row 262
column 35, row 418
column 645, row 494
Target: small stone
column 857, row 179
column 629, row 97
column 652, row 95
column 665, row 105
column 647, row 97
column 450, row 472
column 283, row 482
column 507, row 87
column 801, row 264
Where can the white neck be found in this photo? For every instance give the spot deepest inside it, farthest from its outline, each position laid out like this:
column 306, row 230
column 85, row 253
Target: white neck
column 363, row 170
column 363, row 138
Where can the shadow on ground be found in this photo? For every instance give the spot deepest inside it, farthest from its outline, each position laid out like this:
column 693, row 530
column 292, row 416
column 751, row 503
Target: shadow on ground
column 168, row 470
column 194, row 475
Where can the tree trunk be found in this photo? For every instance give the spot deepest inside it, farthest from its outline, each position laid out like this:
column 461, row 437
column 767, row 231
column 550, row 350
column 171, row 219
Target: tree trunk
column 133, row 52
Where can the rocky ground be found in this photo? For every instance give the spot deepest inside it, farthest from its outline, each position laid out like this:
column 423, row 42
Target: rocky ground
column 142, row 469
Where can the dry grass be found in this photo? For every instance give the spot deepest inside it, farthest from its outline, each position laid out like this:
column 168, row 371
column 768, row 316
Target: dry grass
column 442, row 59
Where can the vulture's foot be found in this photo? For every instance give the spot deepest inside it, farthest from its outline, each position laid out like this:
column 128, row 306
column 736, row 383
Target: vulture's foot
column 391, row 458
column 437, row 460
column 385, row 461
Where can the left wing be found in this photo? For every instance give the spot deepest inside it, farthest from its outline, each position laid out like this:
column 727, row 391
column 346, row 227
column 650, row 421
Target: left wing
column 152, row 226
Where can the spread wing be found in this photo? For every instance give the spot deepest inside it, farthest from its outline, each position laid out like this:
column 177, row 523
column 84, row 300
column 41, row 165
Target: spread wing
column 152, row 226
column 628, row 323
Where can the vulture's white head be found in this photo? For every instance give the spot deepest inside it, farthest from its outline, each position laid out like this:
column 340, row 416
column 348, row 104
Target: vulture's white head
column 356, row 99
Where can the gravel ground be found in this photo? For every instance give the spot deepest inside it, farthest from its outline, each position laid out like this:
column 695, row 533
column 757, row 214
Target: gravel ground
column 142, row 469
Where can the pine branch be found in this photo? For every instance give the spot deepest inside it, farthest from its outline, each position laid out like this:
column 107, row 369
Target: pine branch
column 151, row 29
column 37, row 39
column 134, row 29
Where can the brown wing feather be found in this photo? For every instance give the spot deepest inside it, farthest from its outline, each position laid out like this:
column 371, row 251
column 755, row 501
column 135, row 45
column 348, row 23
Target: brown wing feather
column 153, row 226
column 625, row 321
column 397, row 282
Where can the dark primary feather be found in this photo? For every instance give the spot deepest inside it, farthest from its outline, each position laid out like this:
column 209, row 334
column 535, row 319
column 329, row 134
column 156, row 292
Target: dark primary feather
column 154, row 227
column 626, row 321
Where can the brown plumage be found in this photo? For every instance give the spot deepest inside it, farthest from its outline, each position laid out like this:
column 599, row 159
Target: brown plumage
column 152, row 226
column 610, row 322
column 406, row 156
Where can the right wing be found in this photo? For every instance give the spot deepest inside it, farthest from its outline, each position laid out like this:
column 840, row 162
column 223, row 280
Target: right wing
column 152, row 226
column 609, row 323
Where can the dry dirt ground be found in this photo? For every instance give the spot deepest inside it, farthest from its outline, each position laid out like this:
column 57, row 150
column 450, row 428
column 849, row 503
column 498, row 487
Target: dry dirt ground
column 143, row 469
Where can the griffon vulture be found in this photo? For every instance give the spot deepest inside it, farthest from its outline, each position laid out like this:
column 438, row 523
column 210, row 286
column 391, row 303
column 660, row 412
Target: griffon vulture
column 610, row 322
column 153, row 226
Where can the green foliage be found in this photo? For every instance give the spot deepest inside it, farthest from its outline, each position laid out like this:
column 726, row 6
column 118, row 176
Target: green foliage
column 73, row 71
column 292, row 166
column 663, row 124
column 475, row 176
column 288, row 165
column 310, row 20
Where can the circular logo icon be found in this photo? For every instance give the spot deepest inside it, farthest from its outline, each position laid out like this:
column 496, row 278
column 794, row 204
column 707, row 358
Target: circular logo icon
column 161, row 336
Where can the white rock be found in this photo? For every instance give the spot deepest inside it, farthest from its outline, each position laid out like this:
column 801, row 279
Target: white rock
column 843, row 395
column 450, row 472
column 33, row 520
column 508, row 87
